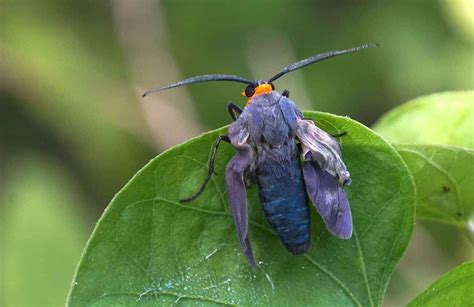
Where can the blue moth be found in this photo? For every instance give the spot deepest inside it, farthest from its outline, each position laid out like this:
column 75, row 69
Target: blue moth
column 289, row 158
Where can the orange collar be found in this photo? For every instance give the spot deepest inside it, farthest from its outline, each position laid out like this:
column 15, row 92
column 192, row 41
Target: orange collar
column 260, row 89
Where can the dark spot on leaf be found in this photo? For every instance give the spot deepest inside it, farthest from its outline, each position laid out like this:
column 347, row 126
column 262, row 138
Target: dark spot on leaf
column 459, row 214
column 446, row 189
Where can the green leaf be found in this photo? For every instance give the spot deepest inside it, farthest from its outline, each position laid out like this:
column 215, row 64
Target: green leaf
column 455, row 288
column 443, row 174
column 444, row 118
column 151, row 249
column 444, row 177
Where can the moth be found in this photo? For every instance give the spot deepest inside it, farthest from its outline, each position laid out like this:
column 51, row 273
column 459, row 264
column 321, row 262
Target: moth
column 290, row 159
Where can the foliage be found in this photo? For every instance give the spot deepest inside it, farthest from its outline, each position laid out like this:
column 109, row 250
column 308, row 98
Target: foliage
column 444, row 175
column 148, row 247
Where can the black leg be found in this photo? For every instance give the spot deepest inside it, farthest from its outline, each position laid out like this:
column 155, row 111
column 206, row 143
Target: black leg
column 210, row 168
column 286, row 93
column 234, row 110
column 249, row 179
column 337, row 135
column 300, row 147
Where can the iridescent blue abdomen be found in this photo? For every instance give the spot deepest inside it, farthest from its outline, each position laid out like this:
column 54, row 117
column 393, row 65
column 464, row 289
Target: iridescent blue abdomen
column 284, row 201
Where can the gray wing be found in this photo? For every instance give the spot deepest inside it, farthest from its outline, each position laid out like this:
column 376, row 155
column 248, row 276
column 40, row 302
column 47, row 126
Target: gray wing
column 236, row 190
column 325, row 175
column 329, row 198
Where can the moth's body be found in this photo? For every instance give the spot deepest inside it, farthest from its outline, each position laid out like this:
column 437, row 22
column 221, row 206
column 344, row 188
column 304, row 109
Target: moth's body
column 265, row 136
column 276, row 167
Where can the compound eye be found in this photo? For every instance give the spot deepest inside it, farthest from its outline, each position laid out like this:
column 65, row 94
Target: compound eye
column 249, row 90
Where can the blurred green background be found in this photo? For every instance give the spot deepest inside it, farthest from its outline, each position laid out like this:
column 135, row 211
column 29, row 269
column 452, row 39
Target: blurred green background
column 73, row 128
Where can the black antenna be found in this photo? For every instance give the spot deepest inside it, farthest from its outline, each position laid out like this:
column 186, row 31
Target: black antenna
column 197, row 79
column 317, row 58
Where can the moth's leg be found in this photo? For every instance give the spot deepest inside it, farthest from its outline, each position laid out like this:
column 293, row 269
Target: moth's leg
column 234, row 177
column 210, row 171
column 249, row 179
column 234, row 110
column 286, row 93
column 300, row 147
column 338, row 135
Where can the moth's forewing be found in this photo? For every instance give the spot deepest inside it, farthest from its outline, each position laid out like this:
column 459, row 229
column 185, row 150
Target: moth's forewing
column 236, row 190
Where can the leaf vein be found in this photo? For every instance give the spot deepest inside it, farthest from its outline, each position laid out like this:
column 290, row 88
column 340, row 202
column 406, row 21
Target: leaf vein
column 443, row 171
column 334, row 278
column 372, row 221
column 364, row 269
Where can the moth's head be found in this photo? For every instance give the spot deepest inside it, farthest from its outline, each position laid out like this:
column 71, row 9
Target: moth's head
column 257, row 88
column 263, row 86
